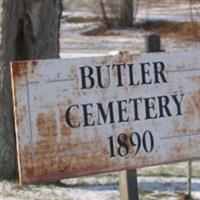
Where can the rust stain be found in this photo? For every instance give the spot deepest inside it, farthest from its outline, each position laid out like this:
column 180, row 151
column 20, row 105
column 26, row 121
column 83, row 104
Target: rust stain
column 29, row 171
column 125, row 57
column 177, row 150
column 73, row 71
column 62, row 167
column 80, row 163
column 20, row 116
column 69, row 102
column 114, row 72
column 113, row 127
column 65, row 130
column 19, row 69
column 34, row 62
column 196, row 101
column 46, row 124
column 192, row 114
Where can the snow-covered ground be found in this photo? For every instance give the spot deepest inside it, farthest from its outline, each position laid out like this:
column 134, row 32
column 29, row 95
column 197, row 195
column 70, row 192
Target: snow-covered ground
column 102, row 187
column 169, row 10
column 164, row 182
column 74, row 43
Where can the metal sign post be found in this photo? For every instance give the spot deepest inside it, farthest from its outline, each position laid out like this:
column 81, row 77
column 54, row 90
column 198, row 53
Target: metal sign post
column 128, row 185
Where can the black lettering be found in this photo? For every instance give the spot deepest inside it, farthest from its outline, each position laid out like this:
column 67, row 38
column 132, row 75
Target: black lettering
column 135, row 142
column 145, row 73
column 100, row 77
column 123, row 145
column 163, row 102
column 122, row 110
column 178, row 103
column 104, row 114
column 149, row 105
column 111, row 145
column 68, row 117
column 145, row 140
column 132, row 81
column 119, row 73
column 87, row 76
column 159, row 68
column 135, row 107
column 87, row 115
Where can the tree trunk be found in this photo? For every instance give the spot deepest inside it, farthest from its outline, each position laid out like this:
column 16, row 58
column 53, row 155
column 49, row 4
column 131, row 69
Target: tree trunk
column 105, row 17
column 29, row 30
column 126, row 13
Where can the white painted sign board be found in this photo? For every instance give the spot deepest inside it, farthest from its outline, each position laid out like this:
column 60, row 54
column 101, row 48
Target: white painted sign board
column 84, row 116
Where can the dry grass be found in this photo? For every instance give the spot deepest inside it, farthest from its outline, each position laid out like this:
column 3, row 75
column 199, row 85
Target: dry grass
column 79, row 19
column 184, row 197
column 184, row 31
column 189, row 31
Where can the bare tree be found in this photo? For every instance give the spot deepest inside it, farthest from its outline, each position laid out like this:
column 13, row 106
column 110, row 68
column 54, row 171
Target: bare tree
column 29, row 30
column 105, row 17
column 126, row 14
column 119, row 12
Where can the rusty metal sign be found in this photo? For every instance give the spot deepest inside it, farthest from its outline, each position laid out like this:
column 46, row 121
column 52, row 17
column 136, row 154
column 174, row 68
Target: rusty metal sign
column 84, row 116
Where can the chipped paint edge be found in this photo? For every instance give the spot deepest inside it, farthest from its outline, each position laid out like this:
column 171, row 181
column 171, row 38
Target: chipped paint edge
column 15, row 126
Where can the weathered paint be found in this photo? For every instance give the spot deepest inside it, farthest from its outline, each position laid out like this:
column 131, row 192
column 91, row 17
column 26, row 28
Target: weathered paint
column 49, row 149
